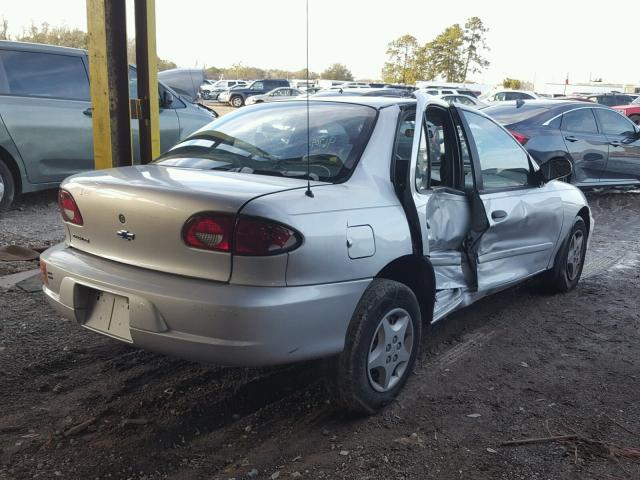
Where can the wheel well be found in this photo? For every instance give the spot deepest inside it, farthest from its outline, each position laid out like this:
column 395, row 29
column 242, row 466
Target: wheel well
column 584, row 214
column 417, row 273
column 11, row 164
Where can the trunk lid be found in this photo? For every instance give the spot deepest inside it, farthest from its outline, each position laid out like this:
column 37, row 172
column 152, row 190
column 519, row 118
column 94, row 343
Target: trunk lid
column 135, row 215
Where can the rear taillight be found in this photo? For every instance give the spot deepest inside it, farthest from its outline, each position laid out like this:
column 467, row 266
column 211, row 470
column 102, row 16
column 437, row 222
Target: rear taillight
column 248, row 236
column 209, row 232
column 68, row 208
column 523, row 139
column 257, row 236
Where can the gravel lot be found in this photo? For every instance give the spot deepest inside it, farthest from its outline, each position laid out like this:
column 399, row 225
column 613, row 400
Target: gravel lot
column 520, row 364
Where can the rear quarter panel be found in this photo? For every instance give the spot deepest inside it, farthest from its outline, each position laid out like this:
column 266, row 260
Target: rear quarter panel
column 545, row 142
column 367, row 198
column 573, row 200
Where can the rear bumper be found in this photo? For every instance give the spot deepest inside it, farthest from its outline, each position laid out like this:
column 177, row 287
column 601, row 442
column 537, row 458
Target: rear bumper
column 204, row 320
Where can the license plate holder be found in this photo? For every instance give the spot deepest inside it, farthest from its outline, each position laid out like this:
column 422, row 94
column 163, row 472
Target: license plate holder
column 109, row 314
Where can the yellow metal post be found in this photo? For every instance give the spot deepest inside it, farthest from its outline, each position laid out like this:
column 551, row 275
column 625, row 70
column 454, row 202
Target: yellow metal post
column 147, row 68
column 108, row 73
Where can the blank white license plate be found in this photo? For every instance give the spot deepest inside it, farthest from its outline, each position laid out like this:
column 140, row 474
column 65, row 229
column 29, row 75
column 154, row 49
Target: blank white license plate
column 109, row 314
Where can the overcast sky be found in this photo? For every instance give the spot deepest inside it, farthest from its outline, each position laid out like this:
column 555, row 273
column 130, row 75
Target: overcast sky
column 541, row 41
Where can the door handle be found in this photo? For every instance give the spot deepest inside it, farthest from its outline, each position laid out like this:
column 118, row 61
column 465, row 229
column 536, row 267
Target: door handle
column 615, row 143
column 88, row 111
column 498, row 214
column 571, row 138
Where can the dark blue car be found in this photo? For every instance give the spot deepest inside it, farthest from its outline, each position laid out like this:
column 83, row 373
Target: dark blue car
column 602, row 144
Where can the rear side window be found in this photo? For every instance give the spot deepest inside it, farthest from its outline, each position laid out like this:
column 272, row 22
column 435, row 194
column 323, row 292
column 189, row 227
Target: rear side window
column 614, row 123
column 504, row 164
column 580, row 121
column 47, row 75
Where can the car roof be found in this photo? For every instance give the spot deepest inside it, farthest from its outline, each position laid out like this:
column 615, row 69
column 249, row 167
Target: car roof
column 545, row 102
column 547, row 109
column 375, row 102
column 40, row 47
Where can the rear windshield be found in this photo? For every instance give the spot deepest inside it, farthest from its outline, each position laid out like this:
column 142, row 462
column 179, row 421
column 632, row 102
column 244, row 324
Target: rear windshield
column 272, row 139
column 510, row 114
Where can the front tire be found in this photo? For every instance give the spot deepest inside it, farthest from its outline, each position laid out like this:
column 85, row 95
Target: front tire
column 7, row 187
column 237, row 101
column 567, row 270
column 382, row 343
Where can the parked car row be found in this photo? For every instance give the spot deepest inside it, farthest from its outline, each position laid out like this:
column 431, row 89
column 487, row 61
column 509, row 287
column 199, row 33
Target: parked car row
column 267, row 90
column 210, row 90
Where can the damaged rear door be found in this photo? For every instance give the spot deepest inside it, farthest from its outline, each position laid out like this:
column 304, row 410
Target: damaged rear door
column 522, row 218
column 440, row 174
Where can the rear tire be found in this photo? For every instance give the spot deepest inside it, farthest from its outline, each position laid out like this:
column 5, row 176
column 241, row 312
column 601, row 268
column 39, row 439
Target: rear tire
column 237, row 101
column 7, row 187
column 567, row 269
column 382, row 343
column 635, row 119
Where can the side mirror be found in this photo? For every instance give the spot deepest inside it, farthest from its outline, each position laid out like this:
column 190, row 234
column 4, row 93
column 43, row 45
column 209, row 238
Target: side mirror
column 167, row 99
column 556, row 168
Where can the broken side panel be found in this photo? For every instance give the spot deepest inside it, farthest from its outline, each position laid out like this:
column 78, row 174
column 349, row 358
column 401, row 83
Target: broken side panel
column 448, row 220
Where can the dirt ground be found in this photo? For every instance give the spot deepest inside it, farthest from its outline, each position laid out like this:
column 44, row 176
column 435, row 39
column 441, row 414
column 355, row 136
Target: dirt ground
column 521, row 364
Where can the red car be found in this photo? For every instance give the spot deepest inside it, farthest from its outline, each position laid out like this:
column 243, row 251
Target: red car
column 632, row 110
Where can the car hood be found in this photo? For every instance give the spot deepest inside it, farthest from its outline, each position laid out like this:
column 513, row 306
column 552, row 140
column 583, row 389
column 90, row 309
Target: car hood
column 185, row 81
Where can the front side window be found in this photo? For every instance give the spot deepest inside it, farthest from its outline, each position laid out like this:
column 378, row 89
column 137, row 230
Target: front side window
column 46, row 75
column 614, row 123
column 503, row 163
column 273, row 141
column 579, row 121
column 257, row 86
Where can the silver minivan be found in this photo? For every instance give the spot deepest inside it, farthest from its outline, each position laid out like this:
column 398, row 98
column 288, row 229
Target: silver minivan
column 45, row 117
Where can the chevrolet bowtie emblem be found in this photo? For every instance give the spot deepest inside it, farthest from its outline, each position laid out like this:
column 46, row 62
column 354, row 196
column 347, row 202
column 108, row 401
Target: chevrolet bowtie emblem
column 126, row 235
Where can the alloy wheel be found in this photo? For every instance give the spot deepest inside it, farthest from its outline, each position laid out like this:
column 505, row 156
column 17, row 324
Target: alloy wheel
column 574, row 256
column 1, row 188
column 390, row 350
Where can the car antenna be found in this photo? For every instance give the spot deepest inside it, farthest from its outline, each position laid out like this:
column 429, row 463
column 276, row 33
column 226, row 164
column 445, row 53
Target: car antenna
column 308, row 193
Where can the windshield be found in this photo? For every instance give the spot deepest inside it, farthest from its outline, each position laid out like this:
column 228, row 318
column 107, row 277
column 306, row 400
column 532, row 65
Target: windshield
column 272, row 140
column 636, row 101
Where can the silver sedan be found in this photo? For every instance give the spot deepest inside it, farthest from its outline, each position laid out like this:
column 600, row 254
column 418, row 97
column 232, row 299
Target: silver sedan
column 278, row 234
column 275, row 95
